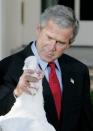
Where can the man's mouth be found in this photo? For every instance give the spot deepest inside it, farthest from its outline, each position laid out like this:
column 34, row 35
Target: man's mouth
column 50, row 55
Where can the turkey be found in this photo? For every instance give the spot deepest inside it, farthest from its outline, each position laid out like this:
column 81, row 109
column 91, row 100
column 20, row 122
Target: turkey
column 27, row 113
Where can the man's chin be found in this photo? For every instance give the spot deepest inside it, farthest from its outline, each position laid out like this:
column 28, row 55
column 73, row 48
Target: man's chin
column 48, row 59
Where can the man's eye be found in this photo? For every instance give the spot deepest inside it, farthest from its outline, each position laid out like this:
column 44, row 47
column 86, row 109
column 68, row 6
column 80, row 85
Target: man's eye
column 61, row 43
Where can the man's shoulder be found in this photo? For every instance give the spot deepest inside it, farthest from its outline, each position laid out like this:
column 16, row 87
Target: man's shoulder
column 22, row 53
column 73, row 62
column 15, row 58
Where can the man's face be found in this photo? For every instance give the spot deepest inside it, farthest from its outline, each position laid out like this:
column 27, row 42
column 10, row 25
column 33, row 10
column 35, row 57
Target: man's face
column 52, row 41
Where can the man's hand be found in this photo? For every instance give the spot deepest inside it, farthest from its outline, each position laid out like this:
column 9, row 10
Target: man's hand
column 25, row 81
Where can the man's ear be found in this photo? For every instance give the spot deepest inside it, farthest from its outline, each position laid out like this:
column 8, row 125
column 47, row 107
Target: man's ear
column 68, row 45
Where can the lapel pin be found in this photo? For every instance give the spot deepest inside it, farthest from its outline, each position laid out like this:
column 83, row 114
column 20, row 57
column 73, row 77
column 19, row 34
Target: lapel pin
column 72, row 80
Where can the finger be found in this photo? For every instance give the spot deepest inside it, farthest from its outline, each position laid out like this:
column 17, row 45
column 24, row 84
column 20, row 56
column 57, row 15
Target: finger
column 32, row 79
column 28, row 78
column 40, row 74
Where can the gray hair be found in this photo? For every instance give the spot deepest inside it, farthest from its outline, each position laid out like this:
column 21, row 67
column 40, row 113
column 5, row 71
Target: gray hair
column 63, row 16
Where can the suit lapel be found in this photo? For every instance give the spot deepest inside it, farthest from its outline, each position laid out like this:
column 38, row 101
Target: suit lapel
column 49, row 102
column 69, row 90
column 64, row 71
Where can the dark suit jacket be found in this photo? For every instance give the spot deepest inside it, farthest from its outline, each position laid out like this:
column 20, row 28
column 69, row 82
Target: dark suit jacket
column 76, row 114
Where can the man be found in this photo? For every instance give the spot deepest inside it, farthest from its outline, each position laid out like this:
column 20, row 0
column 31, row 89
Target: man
column 57, row 30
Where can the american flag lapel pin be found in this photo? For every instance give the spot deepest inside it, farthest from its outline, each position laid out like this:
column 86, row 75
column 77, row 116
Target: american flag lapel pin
column 72, row 80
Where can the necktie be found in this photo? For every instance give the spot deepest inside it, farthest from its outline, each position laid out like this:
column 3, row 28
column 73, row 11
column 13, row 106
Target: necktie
column 55, row 88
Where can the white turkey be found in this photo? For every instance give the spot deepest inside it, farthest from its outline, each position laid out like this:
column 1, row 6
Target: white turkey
column 27, row 113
